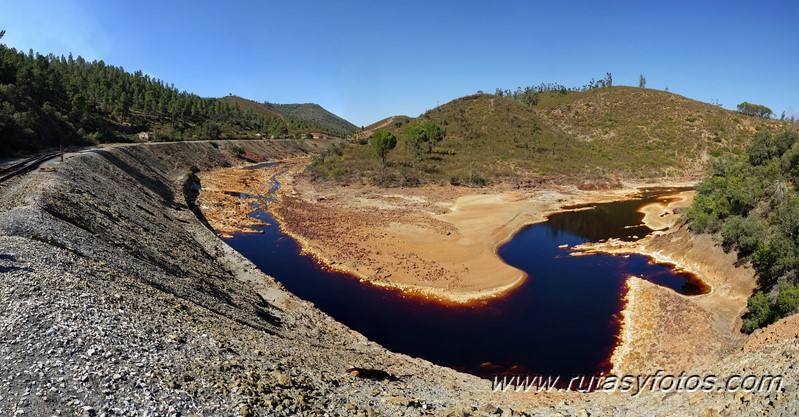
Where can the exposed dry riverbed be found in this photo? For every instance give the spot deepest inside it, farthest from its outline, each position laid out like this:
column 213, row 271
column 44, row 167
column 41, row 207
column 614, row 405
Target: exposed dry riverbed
column 441, row 241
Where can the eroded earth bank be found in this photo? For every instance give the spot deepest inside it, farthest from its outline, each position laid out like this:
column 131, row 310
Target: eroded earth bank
column 117, row 300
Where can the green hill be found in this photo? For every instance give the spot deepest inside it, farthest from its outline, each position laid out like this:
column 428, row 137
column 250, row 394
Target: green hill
column 306, row 118
column 317, row 115
column 51, row 101
column 392, row 122
column 598, row 133
column 255, row 107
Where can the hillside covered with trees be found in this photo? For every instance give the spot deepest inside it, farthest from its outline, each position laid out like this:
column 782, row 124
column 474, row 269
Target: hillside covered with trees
column 549, row 130
column 298, row 117
column 752, row 201
column 317, row 115
column 51, row 101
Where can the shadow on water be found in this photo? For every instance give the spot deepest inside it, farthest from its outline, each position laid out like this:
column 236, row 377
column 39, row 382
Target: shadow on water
column 563, row 320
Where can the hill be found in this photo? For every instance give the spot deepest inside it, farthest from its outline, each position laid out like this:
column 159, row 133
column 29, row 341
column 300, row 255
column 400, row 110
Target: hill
column 298, row 117
column 600, row 132
column 51, row 101
column 317, row 115
column 387, row 123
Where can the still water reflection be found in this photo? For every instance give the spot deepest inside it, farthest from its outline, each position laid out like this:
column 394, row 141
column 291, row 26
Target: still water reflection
column 563, row 320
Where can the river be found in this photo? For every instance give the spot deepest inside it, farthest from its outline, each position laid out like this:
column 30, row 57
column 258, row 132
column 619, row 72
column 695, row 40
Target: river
column 563, row 320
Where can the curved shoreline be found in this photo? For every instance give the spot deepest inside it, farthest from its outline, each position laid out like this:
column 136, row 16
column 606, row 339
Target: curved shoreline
column 437, row 294
column 715, row 315
column 434, row 293
column 477, row 224
column 656, row 323
column 623, row 346
column 442, row 245
column 631, row 348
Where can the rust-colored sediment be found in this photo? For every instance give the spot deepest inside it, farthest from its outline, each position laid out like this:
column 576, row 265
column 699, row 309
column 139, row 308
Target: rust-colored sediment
column 662, row 329
column 441, row 241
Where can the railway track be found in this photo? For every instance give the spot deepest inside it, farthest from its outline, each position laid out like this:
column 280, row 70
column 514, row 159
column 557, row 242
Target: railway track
column 26, row 165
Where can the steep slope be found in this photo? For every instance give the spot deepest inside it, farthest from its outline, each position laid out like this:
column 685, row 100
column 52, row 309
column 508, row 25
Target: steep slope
column 605, row 132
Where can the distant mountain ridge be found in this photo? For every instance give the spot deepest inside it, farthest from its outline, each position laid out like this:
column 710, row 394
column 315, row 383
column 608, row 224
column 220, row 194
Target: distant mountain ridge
column 306, row 116
column 318, row 115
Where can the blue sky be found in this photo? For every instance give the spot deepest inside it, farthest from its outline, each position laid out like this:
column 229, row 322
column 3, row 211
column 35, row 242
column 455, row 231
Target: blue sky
column 366, row 60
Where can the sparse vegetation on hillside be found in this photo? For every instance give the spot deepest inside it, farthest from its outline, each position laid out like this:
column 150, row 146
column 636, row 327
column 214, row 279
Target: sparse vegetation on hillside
column 596, row 133
column 297, row 119
column 751, row 200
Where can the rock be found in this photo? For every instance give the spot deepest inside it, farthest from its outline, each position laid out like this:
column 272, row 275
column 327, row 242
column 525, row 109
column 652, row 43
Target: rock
column 459, row 411
column 399, row 400
column 282, row 378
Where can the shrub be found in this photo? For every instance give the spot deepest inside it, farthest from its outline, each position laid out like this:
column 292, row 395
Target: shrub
column 236, row 149
column 749, row 200
column 759, row 312
column 787, row 299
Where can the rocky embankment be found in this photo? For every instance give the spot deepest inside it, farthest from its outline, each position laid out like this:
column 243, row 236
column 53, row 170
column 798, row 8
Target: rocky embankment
column 118, row 301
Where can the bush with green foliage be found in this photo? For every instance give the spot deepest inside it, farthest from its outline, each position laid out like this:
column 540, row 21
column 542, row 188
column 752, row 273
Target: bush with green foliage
column 416, row 134
column 752, row 202
column 382, row 142
column 236, row 149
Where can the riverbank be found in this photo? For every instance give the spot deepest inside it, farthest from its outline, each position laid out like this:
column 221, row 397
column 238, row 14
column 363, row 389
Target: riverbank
column 666, row 330
column 437, row 241
column 448, row 236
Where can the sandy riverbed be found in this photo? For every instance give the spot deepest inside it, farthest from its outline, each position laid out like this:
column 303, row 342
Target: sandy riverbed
column 439, row 241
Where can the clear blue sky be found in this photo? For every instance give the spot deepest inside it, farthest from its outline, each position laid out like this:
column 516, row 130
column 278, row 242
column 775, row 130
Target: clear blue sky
column 366, row 60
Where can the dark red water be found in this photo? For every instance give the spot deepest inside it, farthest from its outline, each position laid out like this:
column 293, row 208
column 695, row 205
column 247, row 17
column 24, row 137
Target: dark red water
column 563, row 320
